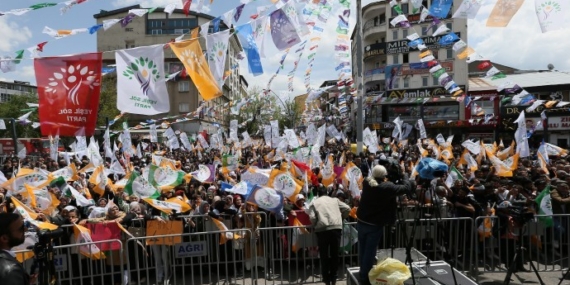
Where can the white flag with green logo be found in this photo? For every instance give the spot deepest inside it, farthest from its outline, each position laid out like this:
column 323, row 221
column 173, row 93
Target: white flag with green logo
column 545, row 207
column 164, row 178
column 140, row 187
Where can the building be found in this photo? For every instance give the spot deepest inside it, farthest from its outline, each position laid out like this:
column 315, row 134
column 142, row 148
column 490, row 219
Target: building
column 161, row 28
column 16, row 88
column 243, row 89
column 414, row 93
column 552, row 87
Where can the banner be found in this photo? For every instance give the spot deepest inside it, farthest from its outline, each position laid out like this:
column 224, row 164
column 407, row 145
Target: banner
column 440, row 8
column 191, row 55
column 156, row 228
column 107, row 234
column 217, row 47
column 391, row 72
column 68, row 91
column 503, row 12
column 141, row 85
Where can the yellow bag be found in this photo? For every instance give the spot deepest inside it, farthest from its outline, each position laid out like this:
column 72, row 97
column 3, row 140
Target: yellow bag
column 389, row 272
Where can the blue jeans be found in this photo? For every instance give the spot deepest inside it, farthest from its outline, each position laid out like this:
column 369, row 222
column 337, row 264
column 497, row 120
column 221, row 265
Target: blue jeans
column 368, row 239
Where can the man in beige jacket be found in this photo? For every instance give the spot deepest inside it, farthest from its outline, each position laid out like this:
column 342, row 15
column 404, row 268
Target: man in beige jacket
column 326, row 214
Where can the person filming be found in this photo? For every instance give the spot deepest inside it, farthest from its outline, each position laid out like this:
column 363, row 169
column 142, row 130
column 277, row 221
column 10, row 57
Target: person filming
column 377, row 209
column 12, row 233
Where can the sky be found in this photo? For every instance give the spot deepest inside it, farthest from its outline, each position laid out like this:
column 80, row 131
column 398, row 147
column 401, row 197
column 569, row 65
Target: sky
column 521, row 44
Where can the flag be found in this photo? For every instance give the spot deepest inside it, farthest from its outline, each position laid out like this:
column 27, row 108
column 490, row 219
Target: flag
column 440, row 9
column 238, row 11
column 349, row 237
column 164, row 178
column 241, row 188
column 501, row 169
column 80, row 200
column 217, row 48
column 247, row 40
column 186, row 6
column 285, row 183
column 31, row 177
column 224, row 235
column 84, row 240
column 551, row 14
column 468, row 9
column 190, row 54
column 172, row 204
column 543, row 163
column 352, row 171
column 68, row 93
column 30, row 216
column 454, row 175
column 141, row 85
column 503, row 12
column 140, row 187
column 266, row 198
column 544, row 203
column 298, row 229
column 205, row 173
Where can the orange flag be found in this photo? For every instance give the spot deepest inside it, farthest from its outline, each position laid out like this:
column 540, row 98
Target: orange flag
column 194, row 33
column 190, row 54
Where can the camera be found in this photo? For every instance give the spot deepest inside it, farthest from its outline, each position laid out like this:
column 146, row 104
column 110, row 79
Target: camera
column 393, row 168
column 520, row 213
column 45, row 236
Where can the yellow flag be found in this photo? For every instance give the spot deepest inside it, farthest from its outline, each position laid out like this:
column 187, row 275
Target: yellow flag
column 194, row 33
column 82, row 238
column 284, row 182
column 465, row 53
column 31, row 216
column 224, row 235
column 99, row 179
column 503, row 12
column 190, row 54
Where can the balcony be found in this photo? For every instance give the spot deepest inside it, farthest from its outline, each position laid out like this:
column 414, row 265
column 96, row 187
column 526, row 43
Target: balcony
column 372, row 120
column 376, row 74
column 374, row 28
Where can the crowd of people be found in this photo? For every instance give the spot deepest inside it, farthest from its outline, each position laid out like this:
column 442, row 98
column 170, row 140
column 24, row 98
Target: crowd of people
column 473, row 192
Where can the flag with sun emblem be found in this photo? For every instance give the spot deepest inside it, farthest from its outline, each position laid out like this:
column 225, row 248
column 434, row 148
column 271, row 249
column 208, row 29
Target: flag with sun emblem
column 68, row 90
column 191, row 55
column 141, row 85
column 217, row 45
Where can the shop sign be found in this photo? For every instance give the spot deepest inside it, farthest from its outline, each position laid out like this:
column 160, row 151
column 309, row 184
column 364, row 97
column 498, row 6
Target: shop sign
column 382, row 126
column 401, row 46
column 374, row 49
column 514, row 111
column 419, row 93
column 416, row 68
column 558, row 123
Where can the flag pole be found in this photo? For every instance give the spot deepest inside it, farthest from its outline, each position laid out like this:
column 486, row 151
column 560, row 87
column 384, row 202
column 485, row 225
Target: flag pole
column 359, row 78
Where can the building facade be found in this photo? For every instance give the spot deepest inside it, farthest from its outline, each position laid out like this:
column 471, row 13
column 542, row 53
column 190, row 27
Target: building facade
column 16, row 88
column 413, row 93
column 161, row 28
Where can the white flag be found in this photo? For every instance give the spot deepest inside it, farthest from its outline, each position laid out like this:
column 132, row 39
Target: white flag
column 422, row 128
column 552, row 15
column 468, row 9
column 217, row 46
column 153, row 134
column 521, row 136
column 141, row 87
column 169, row 8
column 2, row 125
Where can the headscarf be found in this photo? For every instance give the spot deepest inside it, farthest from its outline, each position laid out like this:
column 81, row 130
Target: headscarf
column 202, row 210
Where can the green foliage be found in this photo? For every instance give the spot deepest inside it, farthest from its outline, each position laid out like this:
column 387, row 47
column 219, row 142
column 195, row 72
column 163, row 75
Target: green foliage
column 15, row 108
column 108, row 102
column 263, row 109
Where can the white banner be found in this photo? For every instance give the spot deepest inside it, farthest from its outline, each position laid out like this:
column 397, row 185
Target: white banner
column 217, row 48
column 141, row 86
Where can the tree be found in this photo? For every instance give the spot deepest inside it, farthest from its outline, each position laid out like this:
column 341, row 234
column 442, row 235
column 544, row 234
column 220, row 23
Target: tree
column 108, row 102
column 15, row 108
column 289, row 115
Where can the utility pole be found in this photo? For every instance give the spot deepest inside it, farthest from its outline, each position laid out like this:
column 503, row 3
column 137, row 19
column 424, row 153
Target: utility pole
column 359, row 77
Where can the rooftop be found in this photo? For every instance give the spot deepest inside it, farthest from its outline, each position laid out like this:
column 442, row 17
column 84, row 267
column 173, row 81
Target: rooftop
column 524, row 80
column 104, row 13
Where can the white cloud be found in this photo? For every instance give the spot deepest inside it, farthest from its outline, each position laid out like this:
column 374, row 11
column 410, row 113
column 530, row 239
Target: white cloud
column 12, row 35
column 24, row 72
column 521, row 44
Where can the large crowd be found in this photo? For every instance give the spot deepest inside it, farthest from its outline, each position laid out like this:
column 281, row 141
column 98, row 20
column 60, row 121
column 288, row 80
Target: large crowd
column 474, row 191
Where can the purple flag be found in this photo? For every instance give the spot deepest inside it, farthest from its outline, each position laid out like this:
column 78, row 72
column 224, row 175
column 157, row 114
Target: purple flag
column 283, row 31
column 127, row 19
column 237, row 14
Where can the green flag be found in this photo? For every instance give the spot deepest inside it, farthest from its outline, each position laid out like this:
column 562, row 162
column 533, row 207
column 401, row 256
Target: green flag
column 42, row 5
column 545, row 207
column 139, row 186
column 19, row 56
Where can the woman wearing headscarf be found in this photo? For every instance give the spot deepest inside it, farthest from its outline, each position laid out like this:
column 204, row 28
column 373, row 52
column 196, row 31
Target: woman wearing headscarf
column 252, row 222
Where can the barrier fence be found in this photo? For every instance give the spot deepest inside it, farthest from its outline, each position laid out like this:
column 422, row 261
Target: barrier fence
column 245, row 254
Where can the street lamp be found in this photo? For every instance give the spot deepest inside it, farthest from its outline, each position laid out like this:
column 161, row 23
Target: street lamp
column 289, row 111
column 359, row 77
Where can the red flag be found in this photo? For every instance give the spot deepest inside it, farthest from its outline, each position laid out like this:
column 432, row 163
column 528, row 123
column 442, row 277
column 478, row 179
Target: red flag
column 41, row 46
column 304, row 167
column 186, row 4
column 68, row 90
column 484, row 65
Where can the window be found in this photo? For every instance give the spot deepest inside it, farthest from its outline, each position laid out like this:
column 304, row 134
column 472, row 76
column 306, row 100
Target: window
column 178, row 31
column 5, row 97
column 449, row 53
column 395, row 34
column 396, row 83
column 405, row 8
column 129, row 44
column 382, row 19
column 406, row 82
column 404, row 33
column 425, row 81
column 488, row 107
column 441, row 112
column 435, row 81
column 424, row 31
column 170, row 26
column 406, row 58
column 395, row 58
column 449, row 26
column 183, row 107
column 406, row 113
column 128, row 29
column 183, row 86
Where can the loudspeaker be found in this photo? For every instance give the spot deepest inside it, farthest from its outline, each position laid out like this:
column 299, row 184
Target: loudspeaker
column 438, row 272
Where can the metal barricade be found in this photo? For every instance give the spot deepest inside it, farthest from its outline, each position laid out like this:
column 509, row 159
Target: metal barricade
column 544, row 239
column 192, row 258
column 73, row 266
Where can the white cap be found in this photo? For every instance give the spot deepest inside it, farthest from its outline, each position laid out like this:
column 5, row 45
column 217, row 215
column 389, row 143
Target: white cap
column 300, row 196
